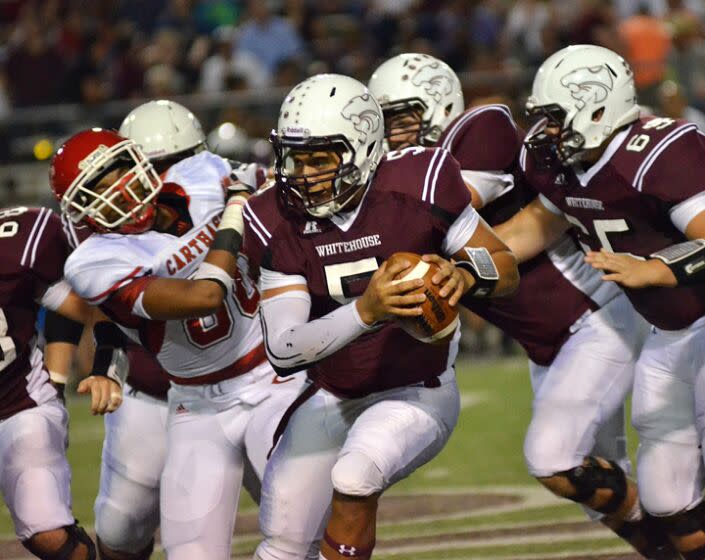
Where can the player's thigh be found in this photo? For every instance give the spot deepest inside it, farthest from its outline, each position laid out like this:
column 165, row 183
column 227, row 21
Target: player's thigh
column 669, row 465
column 34, row 474
column 581, row 390
column 126, row 511
column 200, row 483
column 395, row 436
column 135, row 439
column 297, row 487
column 265, row 419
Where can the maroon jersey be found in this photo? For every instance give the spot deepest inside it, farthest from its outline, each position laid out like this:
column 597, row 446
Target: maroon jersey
column 33, row 249
column 145, row 374
column 415, row 197
column 637, row 199
column 486, row 139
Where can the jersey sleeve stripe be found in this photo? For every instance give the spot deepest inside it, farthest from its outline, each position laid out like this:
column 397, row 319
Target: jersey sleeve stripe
column 457, row 127
column 254, row 227
column 248, row 209
column 429, row 172
column 435, row 176
column 116, row 286
column 658, row 149
column 30, row 238
column 38, row 237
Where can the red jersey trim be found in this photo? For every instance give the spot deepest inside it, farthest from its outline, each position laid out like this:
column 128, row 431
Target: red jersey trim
column 116, row 286
column 249, row 361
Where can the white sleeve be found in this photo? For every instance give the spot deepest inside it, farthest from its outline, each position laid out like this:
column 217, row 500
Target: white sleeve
column 682, row 213
column 55, row 295
column 293, row 342
column 490, row 185
column 550, row 206
column 462, row 229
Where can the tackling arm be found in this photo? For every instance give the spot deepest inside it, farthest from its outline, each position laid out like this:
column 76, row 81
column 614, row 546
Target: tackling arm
column 532, row 230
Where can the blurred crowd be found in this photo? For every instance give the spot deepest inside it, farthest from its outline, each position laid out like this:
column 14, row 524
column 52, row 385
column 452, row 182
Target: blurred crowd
column 82, row 51
column 88, row 52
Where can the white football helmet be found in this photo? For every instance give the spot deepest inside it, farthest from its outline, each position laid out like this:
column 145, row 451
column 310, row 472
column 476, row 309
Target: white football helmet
column 328, row 113
column 419, row 82
column 588, row 92
column 163, row 129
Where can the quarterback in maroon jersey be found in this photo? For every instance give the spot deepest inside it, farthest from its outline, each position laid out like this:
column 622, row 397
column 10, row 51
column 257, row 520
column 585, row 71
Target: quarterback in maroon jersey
column 34, row 473
column 631, row 188
column 578, row 412
column 379, row 404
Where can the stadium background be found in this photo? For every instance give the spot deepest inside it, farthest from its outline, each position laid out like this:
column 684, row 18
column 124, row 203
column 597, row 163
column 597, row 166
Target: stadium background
column 71, row 64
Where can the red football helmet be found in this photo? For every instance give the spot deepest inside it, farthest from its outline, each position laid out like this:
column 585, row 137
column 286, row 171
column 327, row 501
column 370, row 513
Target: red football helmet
column 125, row 206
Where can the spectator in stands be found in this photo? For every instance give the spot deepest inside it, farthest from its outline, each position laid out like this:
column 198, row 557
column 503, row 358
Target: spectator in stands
column 673, row 104
column 687, row 58
column 227, row 61
column 270, row 39
column 647, row 44
column 36, row 70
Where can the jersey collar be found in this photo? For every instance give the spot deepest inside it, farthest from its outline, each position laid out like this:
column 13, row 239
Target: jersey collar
column 586, row 176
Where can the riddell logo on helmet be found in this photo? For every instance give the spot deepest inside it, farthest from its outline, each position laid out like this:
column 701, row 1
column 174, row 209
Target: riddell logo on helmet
column 589, row 84
column 297, row 131
column 434, row 79
column 91, row 158
column 364, row 118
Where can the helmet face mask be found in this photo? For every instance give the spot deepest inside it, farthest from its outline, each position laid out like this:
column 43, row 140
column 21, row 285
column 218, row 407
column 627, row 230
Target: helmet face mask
column 327, row 145
column 550, row 139
column 104, row 181
column 338, row 176
column 404, row 125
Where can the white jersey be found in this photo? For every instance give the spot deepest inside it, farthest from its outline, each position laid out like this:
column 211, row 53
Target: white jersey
column 113, row 270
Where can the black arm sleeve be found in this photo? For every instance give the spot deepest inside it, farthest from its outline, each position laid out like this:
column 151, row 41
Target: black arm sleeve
column 58, row 328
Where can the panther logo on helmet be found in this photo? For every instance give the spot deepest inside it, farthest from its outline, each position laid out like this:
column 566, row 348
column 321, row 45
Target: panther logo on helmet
column 435, row 81
column 364, row 118
column 589, row 84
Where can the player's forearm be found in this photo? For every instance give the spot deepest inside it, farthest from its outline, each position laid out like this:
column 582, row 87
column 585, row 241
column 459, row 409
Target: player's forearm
column 173, row 299
column 506, row 264
column 531, row 231
column 293, row 343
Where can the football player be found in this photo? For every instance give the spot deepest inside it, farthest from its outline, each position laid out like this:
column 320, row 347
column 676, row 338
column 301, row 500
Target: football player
column 34, row 473
column 134, row 450
column 582, row 353
column 631, row 189
column 379, row 403
column 176, row 289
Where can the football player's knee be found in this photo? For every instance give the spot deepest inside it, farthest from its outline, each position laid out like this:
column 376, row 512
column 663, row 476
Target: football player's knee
column 541, row 452
column 117, row 529
column 356, row 474
column 65, row 543
column 597, row 475
column 277, row 548
column 668, row 475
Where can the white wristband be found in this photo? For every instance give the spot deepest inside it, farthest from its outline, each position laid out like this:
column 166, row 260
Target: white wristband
column 208, row 271
column 232, row 215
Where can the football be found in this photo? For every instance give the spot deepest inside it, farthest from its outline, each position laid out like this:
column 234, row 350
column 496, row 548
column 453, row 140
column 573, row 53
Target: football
column 439, row 319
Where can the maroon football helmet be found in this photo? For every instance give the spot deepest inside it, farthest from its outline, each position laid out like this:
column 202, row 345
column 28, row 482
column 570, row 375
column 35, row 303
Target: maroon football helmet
column 125, row 206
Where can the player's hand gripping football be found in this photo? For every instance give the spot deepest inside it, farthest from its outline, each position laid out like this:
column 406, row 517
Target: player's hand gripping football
column 629, row 271
column 455, row 281
column 384, row 298
column 106, row 394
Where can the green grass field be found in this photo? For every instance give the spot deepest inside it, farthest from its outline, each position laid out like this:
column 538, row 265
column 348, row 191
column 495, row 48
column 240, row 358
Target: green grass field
column 475, row 500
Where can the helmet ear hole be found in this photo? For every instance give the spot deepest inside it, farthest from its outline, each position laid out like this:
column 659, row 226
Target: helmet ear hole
column 448, row 108
column 371, row 148
column 597, row 114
